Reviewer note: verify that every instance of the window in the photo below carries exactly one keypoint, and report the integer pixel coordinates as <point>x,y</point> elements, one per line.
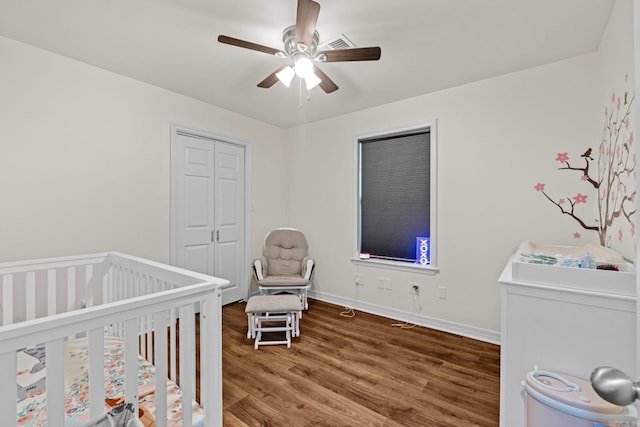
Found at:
<point>396,196</point>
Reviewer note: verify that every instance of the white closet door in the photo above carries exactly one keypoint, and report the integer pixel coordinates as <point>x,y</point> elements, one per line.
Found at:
<point>193,214</point>
<point>229,218</point>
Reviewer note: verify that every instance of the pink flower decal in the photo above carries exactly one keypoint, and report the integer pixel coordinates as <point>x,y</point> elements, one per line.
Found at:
<point>576,235</point>
<point>561,201</point>
<point>562,157</point>
<point>584,178</point>
<point>630,137</point>
<point>633,228</point>
<point>613,97</point>
<point>580,198</point>
<point>620,235</point>
<point>618,104</point>
<point>539,187</point>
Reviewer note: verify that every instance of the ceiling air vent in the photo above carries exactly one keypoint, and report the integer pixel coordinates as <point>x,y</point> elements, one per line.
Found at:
<point>340,42</point>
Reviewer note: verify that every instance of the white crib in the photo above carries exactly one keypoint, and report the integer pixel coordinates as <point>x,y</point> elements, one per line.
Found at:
<point>149,307</point>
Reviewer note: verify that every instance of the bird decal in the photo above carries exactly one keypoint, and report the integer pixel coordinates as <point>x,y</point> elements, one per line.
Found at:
<point>587,154</point>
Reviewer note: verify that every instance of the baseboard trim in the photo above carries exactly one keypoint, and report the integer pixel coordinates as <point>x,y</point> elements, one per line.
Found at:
<point>418,319</point>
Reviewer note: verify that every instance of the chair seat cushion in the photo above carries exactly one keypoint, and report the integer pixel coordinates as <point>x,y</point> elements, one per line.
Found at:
<point>273,304</point>
<point>283,281</point>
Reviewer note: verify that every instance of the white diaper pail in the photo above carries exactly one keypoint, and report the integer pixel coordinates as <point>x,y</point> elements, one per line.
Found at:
<point>559,400</point>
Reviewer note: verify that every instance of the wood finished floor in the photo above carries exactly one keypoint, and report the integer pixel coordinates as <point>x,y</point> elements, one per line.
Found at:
<point>357,371</point>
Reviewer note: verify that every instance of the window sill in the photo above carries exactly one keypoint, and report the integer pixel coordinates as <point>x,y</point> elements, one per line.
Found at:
<point>395,265</point>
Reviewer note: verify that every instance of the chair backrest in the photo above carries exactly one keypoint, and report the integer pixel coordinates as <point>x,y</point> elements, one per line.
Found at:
<point>284,249</point>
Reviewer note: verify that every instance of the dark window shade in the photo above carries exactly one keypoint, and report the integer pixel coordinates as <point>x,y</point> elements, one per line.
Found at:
<point>394,194</point>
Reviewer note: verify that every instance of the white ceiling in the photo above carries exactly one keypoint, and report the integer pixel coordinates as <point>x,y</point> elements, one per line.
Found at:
<point>427,45</point>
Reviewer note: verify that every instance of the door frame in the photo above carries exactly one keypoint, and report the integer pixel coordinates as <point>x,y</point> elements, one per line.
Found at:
<point>245,283</point>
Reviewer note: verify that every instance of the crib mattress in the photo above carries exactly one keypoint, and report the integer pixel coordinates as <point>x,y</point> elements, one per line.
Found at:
<point>32,394</point>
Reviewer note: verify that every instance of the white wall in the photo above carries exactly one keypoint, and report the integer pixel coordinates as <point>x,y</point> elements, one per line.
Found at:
<point>84,158</point>
<point>496,139</point>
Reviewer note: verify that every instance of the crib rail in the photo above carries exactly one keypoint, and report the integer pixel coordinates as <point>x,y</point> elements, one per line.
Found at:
<point>60,284</point>
<point>134,298</point>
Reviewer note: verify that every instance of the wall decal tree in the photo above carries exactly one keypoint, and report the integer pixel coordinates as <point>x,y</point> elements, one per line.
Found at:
<point>614,179</point>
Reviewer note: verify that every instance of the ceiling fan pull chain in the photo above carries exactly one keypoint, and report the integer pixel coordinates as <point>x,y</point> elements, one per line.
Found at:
<point>299,93</point>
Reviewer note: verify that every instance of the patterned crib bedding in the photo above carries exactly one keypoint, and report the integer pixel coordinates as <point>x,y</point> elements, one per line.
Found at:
<point>31,376</point>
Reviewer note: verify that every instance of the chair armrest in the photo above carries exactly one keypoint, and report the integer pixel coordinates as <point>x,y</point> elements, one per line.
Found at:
<point>308,266</point>
<point>259,268</point>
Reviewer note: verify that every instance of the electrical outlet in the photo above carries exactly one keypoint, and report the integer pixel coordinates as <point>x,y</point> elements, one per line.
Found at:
<point>359,279</point>
<point>388,284</point>
<point>380,283</point>
<point>442,292</point>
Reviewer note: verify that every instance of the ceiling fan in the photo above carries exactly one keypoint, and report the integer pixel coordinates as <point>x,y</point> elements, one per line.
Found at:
<point>300,47</point>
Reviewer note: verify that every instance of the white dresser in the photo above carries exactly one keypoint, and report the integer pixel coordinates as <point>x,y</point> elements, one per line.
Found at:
<point>562,319</point>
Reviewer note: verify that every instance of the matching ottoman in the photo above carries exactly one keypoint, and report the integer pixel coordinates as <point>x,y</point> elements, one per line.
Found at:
<point>273,313</point>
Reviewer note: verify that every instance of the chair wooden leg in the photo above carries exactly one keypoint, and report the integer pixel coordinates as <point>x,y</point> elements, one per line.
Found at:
<point>288,331</point>
<point>249,325</point>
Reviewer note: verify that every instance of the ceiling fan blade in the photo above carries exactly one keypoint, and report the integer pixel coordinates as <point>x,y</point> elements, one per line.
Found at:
<point>247,45</point>
<point>354,54</point>
<point>271,79</point>
<point>326,83</point>
<point>306,19</point>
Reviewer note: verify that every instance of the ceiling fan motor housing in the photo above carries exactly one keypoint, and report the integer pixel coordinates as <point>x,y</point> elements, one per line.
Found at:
<point>292,48</point>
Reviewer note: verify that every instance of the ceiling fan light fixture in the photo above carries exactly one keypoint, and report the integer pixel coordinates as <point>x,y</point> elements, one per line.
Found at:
<point>286,75</point>
<point>303,66</point>
<point>311,80</point>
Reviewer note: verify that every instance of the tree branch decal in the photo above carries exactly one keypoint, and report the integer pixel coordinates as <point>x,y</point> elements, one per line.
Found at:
<point>614,177</point>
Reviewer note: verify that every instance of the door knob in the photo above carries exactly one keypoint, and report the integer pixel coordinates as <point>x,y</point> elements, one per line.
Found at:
<point>615,386</point>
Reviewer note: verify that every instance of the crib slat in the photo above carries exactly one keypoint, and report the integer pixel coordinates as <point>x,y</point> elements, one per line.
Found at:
<point>150,321</point>
<point>51,292</point>
<point>88,288</point>
<point>55,382</point>
<point>7,299</point>
<point>150,352</point>
<point>161,364</point>
<point>172,344</point>
<point>131,362</point>
<point>107,284</point>
<point>211,352</point>
<point>30,300</point>
<point>71,288</point>
<point>8,395</point>
<point>96,372</point>
<point>187,364</point>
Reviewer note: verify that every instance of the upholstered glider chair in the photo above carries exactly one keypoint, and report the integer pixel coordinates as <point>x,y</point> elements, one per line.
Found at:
<point>285,265</point>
